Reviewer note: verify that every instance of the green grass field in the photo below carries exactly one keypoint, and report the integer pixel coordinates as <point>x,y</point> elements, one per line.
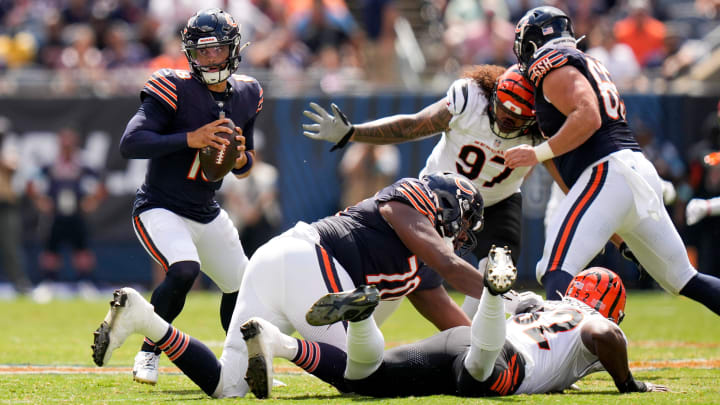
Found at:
<point>673,341</point>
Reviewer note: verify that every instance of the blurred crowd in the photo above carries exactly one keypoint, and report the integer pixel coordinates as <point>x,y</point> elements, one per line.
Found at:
<point>97,46</point>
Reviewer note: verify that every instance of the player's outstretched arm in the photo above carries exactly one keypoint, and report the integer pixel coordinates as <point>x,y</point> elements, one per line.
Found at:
<point>437,307</point>
<point>430,121</point>
<point>416,232</point>
<point>607,342</point>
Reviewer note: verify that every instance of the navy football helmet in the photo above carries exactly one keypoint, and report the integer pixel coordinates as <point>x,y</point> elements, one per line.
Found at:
<point>538,27</point>
<point>211,28</point>
<point>459,208</point>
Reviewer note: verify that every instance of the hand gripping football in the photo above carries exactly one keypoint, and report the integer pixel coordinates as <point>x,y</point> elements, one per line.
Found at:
<point>216,163</point>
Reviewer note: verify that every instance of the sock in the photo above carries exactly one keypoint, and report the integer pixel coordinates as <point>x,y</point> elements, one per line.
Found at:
<point>192,357</point>
<point>470,304</point>
<point>556,283</point>
<point>704,289</point>
<point>227,306</point>
<point>487,336</point>
<point>169,297</point>
<point>365,349</point>
<point>322,360</point>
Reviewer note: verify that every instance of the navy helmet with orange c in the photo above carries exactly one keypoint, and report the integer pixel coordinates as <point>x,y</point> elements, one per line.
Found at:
<point>602,290</point>
<point>459,208</point>
<point>212,28</point>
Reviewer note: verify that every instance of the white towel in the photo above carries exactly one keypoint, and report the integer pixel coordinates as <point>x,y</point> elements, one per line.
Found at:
<point>647,201</point>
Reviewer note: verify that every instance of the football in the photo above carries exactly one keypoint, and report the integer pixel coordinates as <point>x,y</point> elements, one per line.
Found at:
<point>215,163</point>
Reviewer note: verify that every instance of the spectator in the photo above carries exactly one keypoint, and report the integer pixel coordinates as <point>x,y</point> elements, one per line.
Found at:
<point>10,222</point>
<point>366,168</point>
<point>379,24</point>
<point>618,58</point>
<point>120,49</point>
<point>643,33</point>
<point>171,57</point>
<point>66,191</point>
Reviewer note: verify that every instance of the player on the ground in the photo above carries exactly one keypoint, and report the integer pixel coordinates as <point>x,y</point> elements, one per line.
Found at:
<point>390,241</point>
<point>484,113</point>
<point>542,350</point>
<point>175,215</point>
<point>613,188</point>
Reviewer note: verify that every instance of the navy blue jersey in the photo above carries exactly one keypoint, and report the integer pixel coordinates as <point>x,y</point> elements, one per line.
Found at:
<point>614,133</point>
<point>370,250</point>
<point>173,104</point>
<point>67,183</point>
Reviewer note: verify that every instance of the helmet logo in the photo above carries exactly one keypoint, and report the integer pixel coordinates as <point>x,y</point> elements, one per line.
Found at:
<point>207,40</point>
<point>230,20</point>
<point>512,107</point>
<point>520,27</point>
<point>466,188</point>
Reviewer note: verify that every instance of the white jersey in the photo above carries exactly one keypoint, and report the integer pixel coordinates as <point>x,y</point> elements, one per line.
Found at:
<point>551,344</point>
<point>470,147</point>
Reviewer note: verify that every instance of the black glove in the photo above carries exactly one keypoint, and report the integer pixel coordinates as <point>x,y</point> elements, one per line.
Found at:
<point>629,255</point>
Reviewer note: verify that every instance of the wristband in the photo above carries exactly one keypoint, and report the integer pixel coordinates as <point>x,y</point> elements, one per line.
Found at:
<point>246,167</point>
<point>345,139</point>
<point>630,385</point>
<point>543,152</point>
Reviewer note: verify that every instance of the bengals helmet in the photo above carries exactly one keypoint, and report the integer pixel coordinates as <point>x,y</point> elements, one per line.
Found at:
<point>538,27</point>
<point>512,104</point>
<point>459,209</point>
<point>602,290</point>
<point>210,28</point>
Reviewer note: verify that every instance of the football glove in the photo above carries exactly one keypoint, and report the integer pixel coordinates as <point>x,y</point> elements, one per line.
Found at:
<point>696,210</point>
<point>519,303</point>
<point>334,128</point>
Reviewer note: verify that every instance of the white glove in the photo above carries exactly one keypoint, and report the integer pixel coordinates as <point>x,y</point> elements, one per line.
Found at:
<point>668,192</point>
<point>696,210</point>
<point>525,301</point>
<point>331,128</point>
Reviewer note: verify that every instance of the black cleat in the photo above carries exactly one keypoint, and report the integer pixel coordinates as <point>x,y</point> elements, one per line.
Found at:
<point>260,369</point>
<point>500,272</point>
<point>352,306</point>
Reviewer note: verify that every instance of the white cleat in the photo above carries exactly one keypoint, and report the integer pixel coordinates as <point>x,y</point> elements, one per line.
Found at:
<point>500,272</point>
<point>129,313</point>
<point>145,370</point>
<point>257,333</point>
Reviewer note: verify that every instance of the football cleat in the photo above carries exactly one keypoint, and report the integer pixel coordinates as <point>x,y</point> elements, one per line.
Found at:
<point>145,370</point>
<point>500,272</point>
<point>129,312</point>
<point>257,334</point>
<point>352,306</point>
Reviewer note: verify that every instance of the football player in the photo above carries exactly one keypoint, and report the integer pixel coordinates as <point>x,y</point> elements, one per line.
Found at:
<point>541,350</point>
<point>484,113</point>
<point>383,241</point>
<point>611,186</point>
<point>175,215</point>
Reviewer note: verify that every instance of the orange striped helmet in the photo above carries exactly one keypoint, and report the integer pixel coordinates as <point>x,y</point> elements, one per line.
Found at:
<point>602,290</point>
<point>512,108</point>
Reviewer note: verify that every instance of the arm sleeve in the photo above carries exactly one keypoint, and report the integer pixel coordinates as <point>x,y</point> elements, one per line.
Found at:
<point>143,138</point>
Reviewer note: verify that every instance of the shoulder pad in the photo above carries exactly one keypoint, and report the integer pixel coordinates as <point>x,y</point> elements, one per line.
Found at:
<point>464,95</point>
<point>544,61</point>
<point>419,196</point>
<point>163,86</point>
<point>241,82</point>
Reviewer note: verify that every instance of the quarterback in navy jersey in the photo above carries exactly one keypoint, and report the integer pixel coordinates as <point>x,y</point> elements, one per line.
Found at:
<point>389,241</point>
<point>612,190</point>
<point>175,215</point>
